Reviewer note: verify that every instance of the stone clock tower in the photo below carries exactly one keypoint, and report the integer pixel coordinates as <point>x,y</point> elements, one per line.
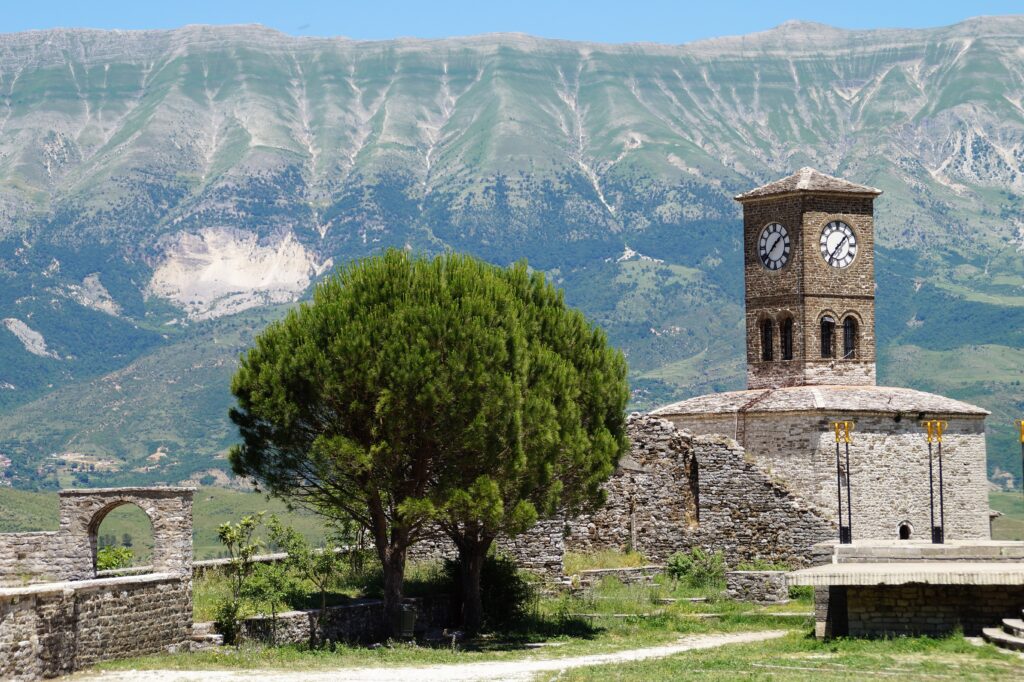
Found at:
<point>808,244</point>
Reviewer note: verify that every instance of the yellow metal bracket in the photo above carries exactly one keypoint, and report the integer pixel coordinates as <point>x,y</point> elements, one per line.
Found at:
<point>935,428</point>
<point>843,431</point>
<point>1020,423</point>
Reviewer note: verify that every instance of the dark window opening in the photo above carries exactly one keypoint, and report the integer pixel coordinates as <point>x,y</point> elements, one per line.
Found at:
<point>828,330</point>
<point>906,530</point>
<point>849,338</point>
<point>786,330</point>
<point>766,340</point>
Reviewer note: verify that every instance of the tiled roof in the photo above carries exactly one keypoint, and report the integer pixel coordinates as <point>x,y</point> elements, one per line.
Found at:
<point>833,399</point>
<point>807,180</point>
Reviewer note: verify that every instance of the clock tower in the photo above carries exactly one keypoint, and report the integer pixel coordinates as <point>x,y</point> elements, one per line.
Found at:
<point>809,270</point>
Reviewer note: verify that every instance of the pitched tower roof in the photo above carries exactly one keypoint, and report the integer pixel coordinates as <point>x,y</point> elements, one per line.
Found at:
<point>807,180</point>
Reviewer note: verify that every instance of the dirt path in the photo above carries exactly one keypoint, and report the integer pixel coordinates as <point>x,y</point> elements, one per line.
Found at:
<point>508,671</point>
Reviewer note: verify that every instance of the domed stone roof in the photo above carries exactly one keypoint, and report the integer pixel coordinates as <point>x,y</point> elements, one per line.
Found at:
<point>832,399</point>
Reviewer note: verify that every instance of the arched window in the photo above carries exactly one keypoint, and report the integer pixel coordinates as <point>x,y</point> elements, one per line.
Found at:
<point>849,338</point>
<point>828,331</point>
<point>766,340</point>
<point>786,334</point>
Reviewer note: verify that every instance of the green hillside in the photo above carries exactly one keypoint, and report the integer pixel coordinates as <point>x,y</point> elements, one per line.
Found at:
<point>164,194</point>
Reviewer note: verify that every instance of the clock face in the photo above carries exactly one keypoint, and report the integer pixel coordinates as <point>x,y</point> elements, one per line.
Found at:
<point>838,244</point>
<point>773,246</point>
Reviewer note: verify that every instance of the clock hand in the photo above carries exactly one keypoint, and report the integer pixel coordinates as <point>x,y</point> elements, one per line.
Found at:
<point>771,247</point>
<point>832,256</point>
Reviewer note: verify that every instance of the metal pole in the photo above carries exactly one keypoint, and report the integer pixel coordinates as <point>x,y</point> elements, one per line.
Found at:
<point>849,497</point>
<point>839,486</point>
<point>942,508</point>
<point>931,482</point>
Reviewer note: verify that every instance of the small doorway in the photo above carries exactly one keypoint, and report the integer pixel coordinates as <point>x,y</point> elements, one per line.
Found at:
<point>906,530</point>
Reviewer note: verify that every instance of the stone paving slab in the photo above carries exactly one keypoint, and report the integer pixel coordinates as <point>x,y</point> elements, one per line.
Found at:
<point>904,573</point>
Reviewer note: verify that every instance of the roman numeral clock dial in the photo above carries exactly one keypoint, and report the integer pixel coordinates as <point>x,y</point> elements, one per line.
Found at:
<point>838,244</point>
<point>773,246</point>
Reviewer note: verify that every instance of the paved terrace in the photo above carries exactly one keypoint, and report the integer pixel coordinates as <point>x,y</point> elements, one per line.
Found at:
<point>906,573</point>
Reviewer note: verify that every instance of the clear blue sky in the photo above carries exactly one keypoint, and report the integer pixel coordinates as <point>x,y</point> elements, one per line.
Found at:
<point>663,21</point>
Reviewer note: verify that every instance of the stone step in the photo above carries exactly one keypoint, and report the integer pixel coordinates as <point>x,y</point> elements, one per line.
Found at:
<point>205,628</point>
<point>1013,626</point>
<point>1002,640</point>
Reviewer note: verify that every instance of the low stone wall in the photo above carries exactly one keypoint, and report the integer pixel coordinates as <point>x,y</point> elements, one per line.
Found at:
<point>885,610</point>
<point>360,622</point>
<point>57,628</point>
<point>540,549</point>
<point>760,587</point>
<point>640,575</point>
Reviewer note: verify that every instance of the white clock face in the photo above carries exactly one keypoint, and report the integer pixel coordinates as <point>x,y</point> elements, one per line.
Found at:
<point>773,246</point>
<point>838,244</point>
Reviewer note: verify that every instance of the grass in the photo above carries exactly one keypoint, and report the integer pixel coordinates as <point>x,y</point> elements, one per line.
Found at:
<point>1010,526</point>
<point>574,562</point>
<point>798,656</point>
<point>611,617</point>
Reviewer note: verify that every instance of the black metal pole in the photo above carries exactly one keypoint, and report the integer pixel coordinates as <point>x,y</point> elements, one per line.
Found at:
<point>942,509</point>
<point>931,485</point>
<point>849,498</point>
<point>839,493</point>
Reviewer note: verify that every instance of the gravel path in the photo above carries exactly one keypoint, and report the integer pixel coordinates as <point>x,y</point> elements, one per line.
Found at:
<point>509,671</point>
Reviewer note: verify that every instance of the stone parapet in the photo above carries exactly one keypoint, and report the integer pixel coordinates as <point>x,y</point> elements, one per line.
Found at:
<point>759,587</point>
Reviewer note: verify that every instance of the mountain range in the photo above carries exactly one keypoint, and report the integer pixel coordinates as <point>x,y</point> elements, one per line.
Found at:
<point>166,194</point>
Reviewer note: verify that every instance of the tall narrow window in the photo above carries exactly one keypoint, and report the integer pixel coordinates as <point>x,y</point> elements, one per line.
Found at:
<point>766,340</point>
<point>786,332</point>
<point>849,338</point>
<point>828,330</point>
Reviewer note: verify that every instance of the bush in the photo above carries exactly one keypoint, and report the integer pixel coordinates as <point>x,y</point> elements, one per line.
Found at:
<point>110,558</point>
<point>506,592</point>
<point>697,568</point>
<point>228,621</point>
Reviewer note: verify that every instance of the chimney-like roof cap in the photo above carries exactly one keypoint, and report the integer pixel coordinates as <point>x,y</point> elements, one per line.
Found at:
<point>807,180</point>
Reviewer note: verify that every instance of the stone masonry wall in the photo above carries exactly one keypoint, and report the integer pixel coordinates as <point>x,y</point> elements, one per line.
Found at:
<point>540,549</point>
<point>361,622</point>
<point>760,587</point>
<point>929,609</point>
<point>674,492</point>
<point>888,461</point>
<point>31,558</point>
<point>57,628</point>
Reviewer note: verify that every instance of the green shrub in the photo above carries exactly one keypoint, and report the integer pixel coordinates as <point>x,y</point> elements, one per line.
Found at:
<point>507,593</point>
<point>228,621</point>
<point>110,558</point>
<point>801,592</point>
<point>697,568</point>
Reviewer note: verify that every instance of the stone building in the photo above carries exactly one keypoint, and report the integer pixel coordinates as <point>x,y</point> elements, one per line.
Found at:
<point>809,277</point>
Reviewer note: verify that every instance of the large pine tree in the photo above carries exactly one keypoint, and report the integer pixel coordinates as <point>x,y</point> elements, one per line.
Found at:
<point>418,393</point>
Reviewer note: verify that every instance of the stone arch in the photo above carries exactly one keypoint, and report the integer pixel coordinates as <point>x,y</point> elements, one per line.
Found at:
<point>169,511</point>
<point>100,516</point>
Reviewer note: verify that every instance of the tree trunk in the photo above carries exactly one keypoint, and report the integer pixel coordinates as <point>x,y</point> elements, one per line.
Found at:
<point>472,556</point>
<point>394,576</point>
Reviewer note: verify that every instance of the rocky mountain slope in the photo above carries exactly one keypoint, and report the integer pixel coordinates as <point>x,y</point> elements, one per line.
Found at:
<point>163,193</point>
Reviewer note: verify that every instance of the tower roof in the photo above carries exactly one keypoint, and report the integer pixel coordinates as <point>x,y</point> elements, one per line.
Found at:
<point>807,179</point>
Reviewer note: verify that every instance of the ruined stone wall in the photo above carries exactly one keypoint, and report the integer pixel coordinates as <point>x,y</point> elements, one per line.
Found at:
<point>888,461</point>
<point>675,492</point>
<point>57,628</point>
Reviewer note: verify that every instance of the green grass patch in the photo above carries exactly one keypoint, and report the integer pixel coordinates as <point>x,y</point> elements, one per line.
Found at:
<point>574,562</point>
<point>1009,526</point>
<point>798,656</point>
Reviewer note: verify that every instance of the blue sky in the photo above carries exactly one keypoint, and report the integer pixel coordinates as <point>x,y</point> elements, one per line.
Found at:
<point>597,20</point>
